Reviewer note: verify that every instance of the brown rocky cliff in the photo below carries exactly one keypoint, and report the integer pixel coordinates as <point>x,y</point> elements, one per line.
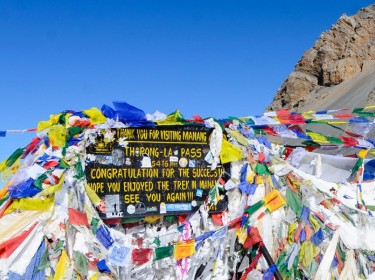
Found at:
<point>341,53</point>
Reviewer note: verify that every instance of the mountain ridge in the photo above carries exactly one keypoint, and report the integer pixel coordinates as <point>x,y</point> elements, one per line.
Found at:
<point>339,67</point>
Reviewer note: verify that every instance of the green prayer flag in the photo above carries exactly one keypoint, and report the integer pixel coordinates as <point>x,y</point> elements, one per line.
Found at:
<point>342,254</point>
<point>163,252</point>
<point>13,157</point>
<point>261,169</point>
<point>62,119</point>
<point>63,164</point>
<point>361,113</point>
<point>170,219</point>
<point>71,131</point>
<point>282,264</point>
<point>310,143</point>
<point>250,121</point>
<point>44,260</point>
<point>294,202</point>
<point>64,150</point>
<point>222,126</point>
<point>78,171</point>
<point>94,225</point>
<point>253,208</point>
<point>259,131</point>
<point>131,220</point>
<point>157,241</point>
<point>357,165</point>
<point>81,263</point>
<point>39,181</point>
<point>334,140</point>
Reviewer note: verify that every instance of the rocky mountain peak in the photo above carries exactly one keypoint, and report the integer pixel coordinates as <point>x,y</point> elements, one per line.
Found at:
<point>345,52</point>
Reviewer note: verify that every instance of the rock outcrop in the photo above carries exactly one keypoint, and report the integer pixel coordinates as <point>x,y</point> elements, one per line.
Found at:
<point>340,54</point>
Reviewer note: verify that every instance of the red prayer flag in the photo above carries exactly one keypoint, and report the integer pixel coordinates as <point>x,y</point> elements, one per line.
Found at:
<point>51,164</point>
<point>252,238</point>
<point>349,141</point>
<point>343,116</point>
<point>9,246</point>
<point>352,134</point>
<point>269,130</point>
<point>285,117</point>
<point>77,217</point>
<point>31,146</point>
<point>141,256</point>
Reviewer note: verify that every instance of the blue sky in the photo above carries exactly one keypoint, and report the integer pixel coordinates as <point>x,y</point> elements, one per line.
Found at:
<point>211,58</point>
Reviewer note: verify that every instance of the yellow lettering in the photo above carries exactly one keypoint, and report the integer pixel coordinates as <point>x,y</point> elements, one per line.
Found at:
<point>113,186</point>
<point>206,173</point>
<point>167,172</point>
<point>180,185</point>
<point>191,153</point>
<point>195,136</point>
<point>131,198</point>
<point>154,134</point>
<point>153,197</point>
<point>183,172</point>
<point>97,187</point>
<point>138,186</point>
<point>127,133</point>
<point>163,185</point>
<point>176,196</point>
<point>170,135</point>
<point>206,185</point>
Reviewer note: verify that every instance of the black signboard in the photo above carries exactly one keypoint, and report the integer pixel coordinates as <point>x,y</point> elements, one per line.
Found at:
<point>151,170</point>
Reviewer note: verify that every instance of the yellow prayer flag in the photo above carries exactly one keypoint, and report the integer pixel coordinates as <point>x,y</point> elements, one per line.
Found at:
<point>291,230</point>
<point>317,137</point>
<point>31,204</point>
<point>3,165</point>
<point>337,122</point>
<point>307,115</point>
<point>314,222</point>
<point>259,180</point>
<point>57,136</point>
<point>95,115</point>
<point>7,172</point>
<point>95,276</point>
<point>42,125</point>
<point>239,137</point>
<point>152,219</point>
<point>62,266</point>
<point>184,249</point>
<point>308,252</point>
<point>53,119</point>
<point>362,153</point>
<point>229,152</point>
<point>275,203</point>
<point>13,169</point>
<point>94,198</point>
<point>250,177</point>
<point>242,235</point>
<point>174,118</point>
<point>270,196</point>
